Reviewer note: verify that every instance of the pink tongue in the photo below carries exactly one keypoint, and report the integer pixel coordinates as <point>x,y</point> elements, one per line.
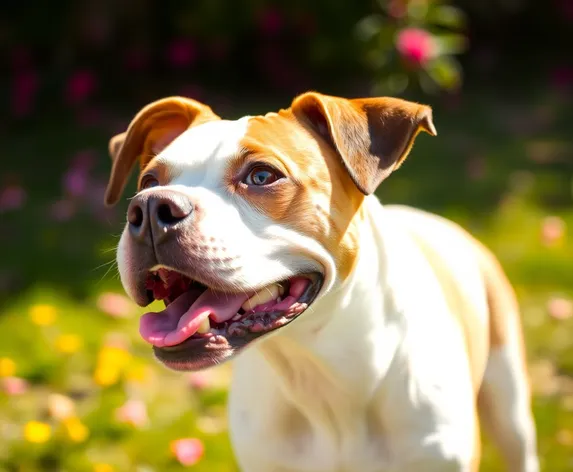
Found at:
<point>179,321</point>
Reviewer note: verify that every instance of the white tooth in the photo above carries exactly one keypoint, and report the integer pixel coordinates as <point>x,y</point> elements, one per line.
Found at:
<point>265,295</point>
<point>204,327</point>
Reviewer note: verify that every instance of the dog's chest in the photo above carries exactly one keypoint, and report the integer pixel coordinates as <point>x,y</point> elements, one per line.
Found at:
<point>290,442</point>
<point>276,432</point>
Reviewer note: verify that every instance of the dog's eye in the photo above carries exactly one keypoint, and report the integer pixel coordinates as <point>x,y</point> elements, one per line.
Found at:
<point>262,175</point>
<point>148,181</point>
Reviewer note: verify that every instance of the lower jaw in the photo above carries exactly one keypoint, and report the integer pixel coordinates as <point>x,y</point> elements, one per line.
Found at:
<point>207,350</point>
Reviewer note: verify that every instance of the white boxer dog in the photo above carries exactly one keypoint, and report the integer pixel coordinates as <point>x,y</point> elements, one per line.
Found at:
<point>365,338</point>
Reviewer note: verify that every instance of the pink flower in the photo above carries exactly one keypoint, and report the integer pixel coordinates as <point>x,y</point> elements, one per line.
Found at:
<point>560,308</point>
<point>270,21</point>
<point>552,230</point>
<point>75,182</point>
<point>198,380</point>
<point>132,412</point>
<point>62,210</point>
<point>12,197</point>
<point>416,46</point>
<point>182,53</point>
<point>76,179</point>
<point>14,385</point>
<point>188,451</point>
<point>80,86</point>
<point>114,304</point>
<point>26,86</point>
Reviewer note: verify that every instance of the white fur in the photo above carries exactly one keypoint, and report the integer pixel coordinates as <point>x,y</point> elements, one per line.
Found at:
<point>382,386</point>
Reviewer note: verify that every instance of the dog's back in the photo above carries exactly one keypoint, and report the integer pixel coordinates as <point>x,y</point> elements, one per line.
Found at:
<point>495,349</point>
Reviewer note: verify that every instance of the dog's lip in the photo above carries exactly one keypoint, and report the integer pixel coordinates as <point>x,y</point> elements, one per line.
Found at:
<point>203,351</point>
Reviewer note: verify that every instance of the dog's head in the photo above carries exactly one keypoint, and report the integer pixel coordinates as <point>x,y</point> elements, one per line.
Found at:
<point>239,226</point>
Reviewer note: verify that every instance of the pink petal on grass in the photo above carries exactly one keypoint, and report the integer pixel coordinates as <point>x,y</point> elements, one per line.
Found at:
<point>553,230</point>
<point>12,197</point>
<point>188,451</point>
<point>560,308</point>
<point>114,304</point>
<point>198,380</point>
<point>14,385</point>
<point>132,412</point>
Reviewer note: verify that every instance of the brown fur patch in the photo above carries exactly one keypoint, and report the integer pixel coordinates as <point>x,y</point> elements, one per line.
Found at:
<point>319,198</point>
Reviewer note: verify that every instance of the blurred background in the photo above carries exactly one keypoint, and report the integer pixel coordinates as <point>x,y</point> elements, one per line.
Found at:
<point>78,390</point>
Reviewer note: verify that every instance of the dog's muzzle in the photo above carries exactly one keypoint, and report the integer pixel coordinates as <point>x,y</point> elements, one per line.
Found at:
<point>206,319</point>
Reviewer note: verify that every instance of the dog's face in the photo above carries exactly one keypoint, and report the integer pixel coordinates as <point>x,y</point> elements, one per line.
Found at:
<point>239,226</point>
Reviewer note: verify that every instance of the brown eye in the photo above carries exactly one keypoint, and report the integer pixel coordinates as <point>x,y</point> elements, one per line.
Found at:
<point>148,181</point>
<point>262,175</point>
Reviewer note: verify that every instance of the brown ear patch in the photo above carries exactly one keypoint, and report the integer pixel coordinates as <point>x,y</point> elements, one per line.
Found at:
<point>152,129</point>
<point>115,144</point>
<point>372,136</point>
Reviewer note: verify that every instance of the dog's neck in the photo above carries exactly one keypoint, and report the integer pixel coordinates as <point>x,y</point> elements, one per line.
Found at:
<point>317,375</point>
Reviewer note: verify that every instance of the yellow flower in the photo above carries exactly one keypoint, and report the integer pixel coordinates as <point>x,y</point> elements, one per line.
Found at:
<point>37,432</point>
<point>103,468</point>
<point>43,315</point>
<point>138,373</point>
<point>106,375</point>
<point>7,367</point>
<point>76,430</point>
<point>111,355</point>
<point>110,364</point>
<point>68,343</point>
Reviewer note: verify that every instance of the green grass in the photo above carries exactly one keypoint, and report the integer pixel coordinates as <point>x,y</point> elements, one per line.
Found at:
<point>526,176</point>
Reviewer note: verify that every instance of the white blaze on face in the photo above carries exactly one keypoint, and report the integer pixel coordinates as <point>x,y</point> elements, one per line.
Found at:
<point>246,246</point>
<point>200,155</point>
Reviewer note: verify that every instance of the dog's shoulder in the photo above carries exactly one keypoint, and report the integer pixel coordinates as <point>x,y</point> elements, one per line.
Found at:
<point>458,261</point>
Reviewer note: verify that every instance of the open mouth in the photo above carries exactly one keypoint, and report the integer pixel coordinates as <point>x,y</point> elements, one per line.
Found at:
<point>197,316</point>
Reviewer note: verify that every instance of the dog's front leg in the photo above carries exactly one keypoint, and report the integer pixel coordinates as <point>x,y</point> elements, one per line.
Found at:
<point>439,452</point>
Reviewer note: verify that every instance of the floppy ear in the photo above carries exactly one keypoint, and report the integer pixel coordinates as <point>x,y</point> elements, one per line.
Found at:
<point>115,144</point>
<point>373,136</point>
<point>152,129</point>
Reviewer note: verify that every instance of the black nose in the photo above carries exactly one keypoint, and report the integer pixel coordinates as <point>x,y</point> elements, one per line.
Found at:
<point>156,214</point>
